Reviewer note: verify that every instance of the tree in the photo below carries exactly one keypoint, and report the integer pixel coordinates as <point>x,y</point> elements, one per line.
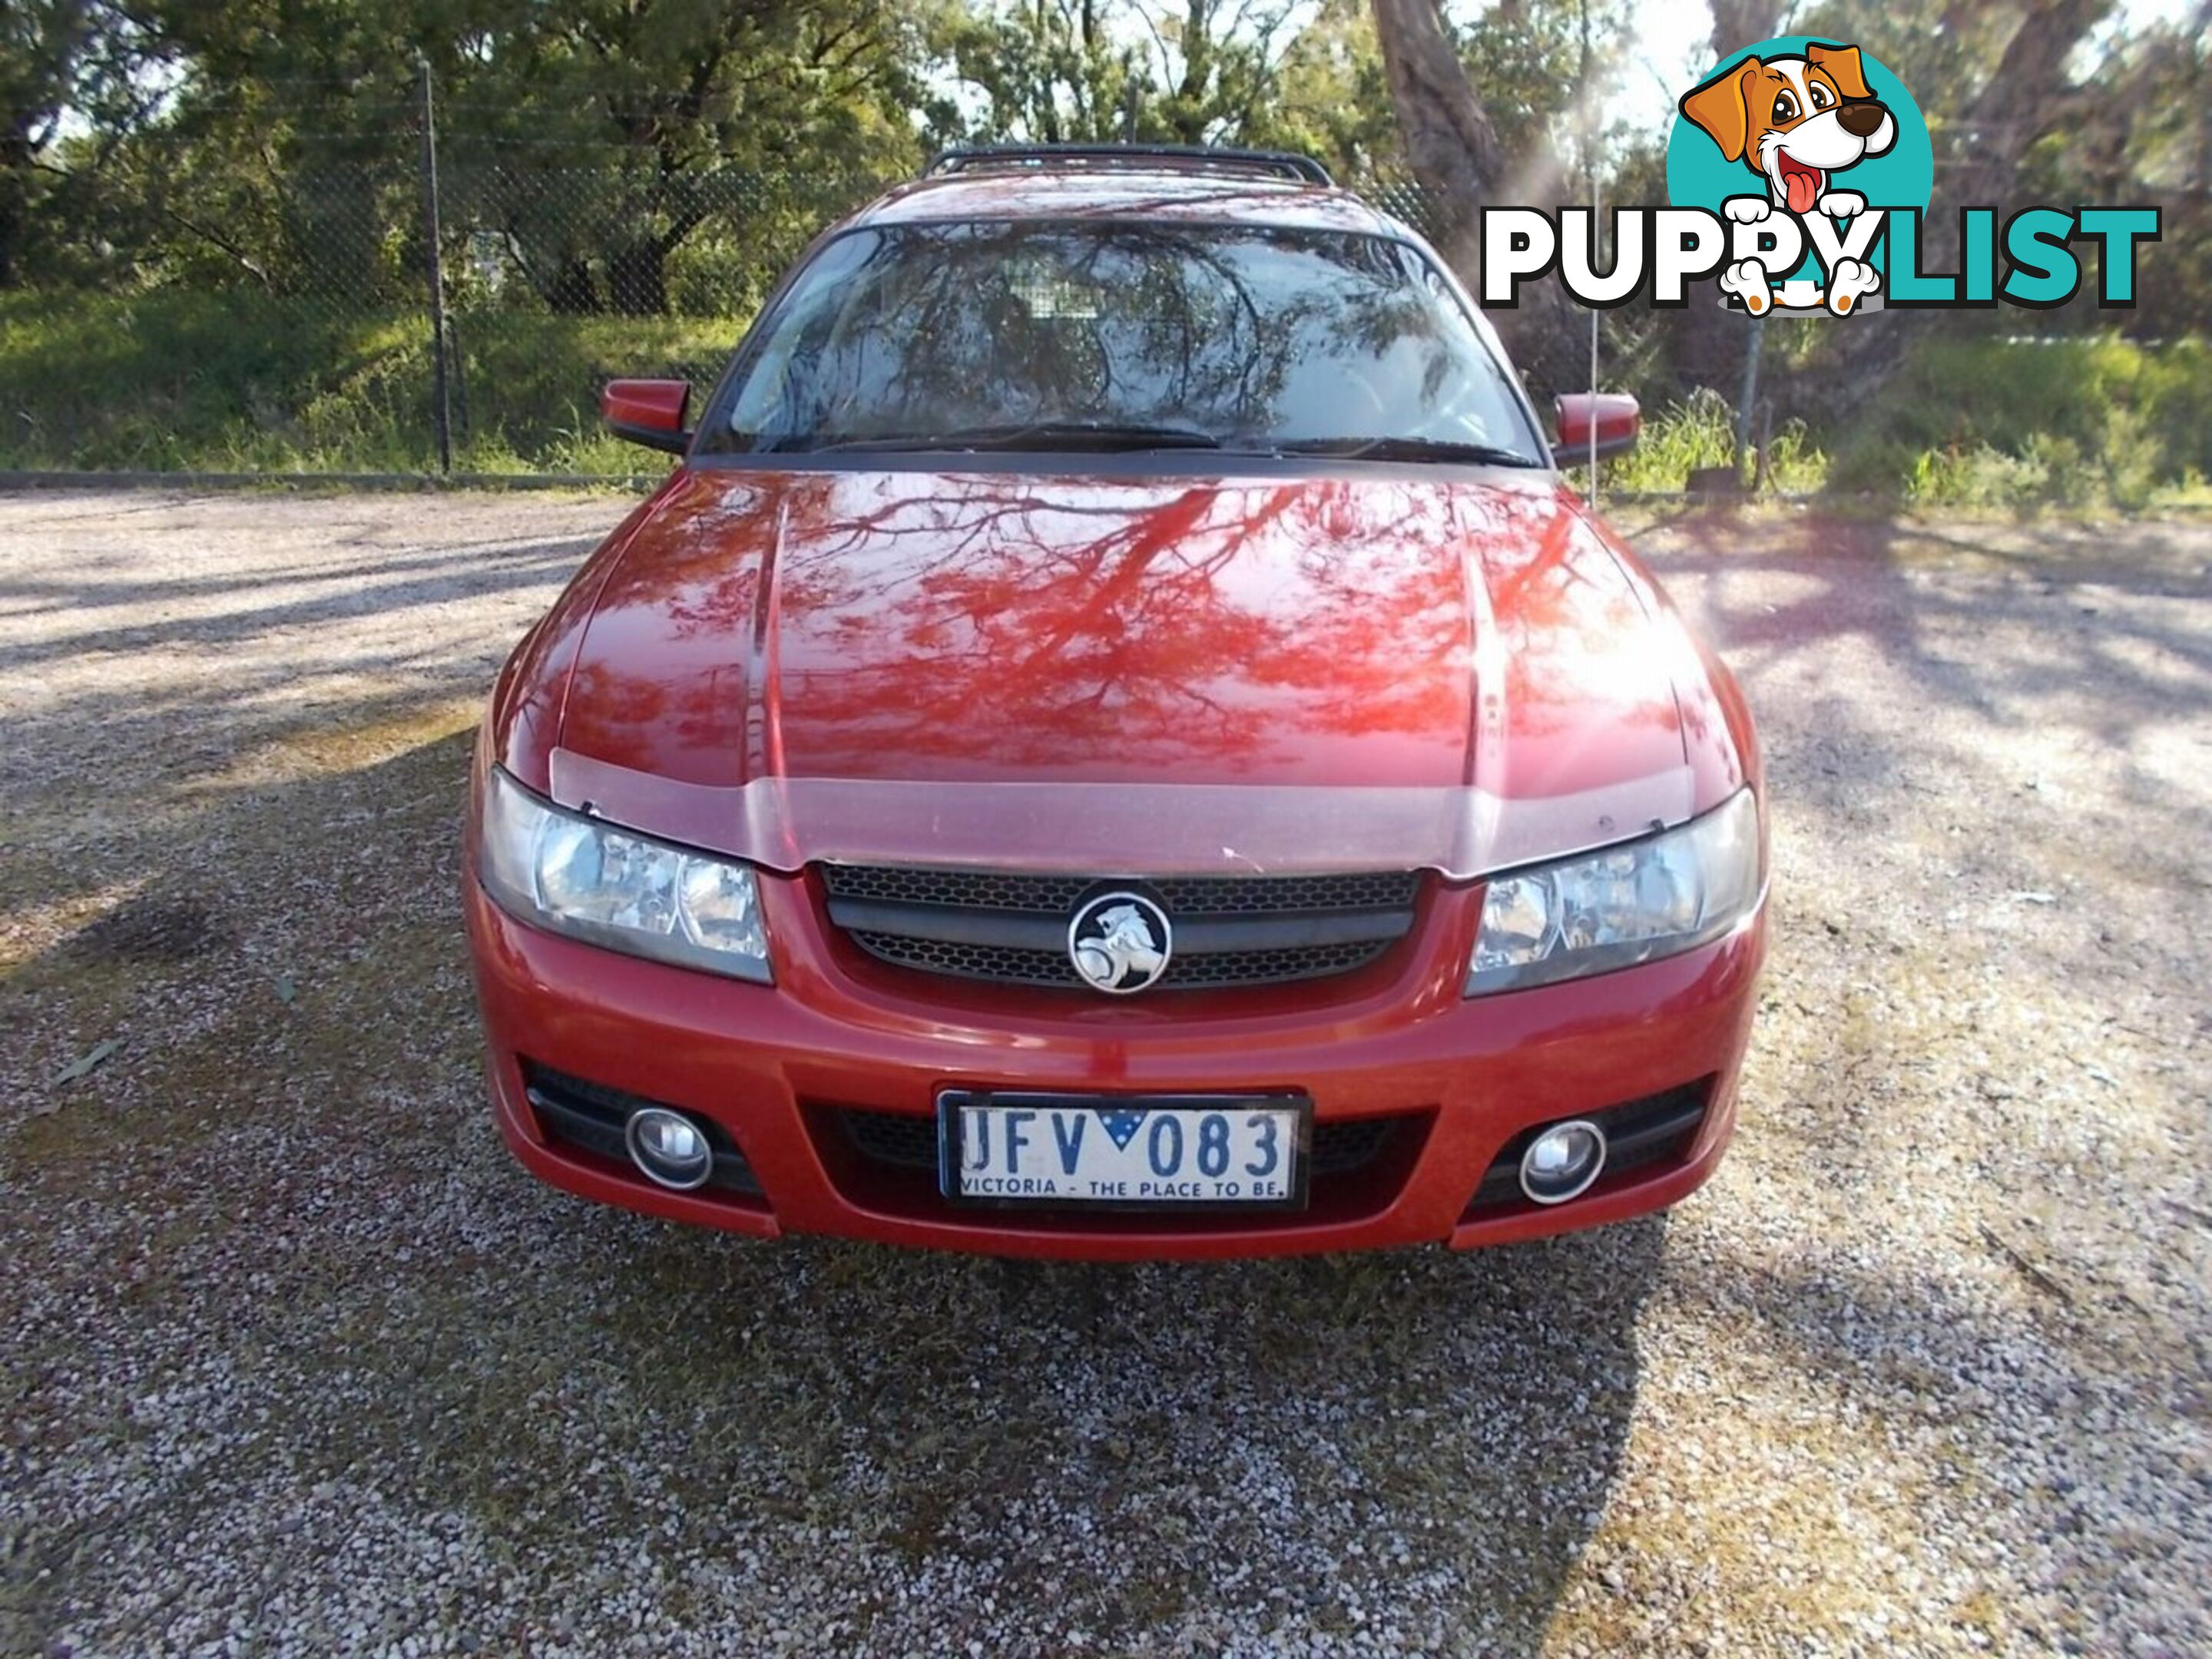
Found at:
<point>675,90</point>
<point>1450,142</point>
<point>1708,341</point>
<point>1529,67</point>
<point>1057,71</point>
<point>603,116</point>
<point>1049,71</point>
<point>1997,83</point>
<point>2147,138</point>
<point>59,57</point>
<point>1217,63</point>
<point>1333,97</point>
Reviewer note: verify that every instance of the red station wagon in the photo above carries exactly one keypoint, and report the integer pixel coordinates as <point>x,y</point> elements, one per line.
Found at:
<point>1116,741</point>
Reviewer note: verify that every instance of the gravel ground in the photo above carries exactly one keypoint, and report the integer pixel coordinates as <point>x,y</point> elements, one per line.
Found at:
<point>299,1362</point>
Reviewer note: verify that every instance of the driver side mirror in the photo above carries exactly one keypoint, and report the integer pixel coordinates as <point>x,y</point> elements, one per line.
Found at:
<point>1612,416</point>
<point>648,412</point>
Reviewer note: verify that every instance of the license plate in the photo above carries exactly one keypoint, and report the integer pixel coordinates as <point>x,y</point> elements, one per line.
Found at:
<point>1136,1152</point>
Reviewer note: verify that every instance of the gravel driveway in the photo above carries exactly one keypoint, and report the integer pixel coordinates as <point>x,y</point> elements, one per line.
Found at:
<point>297,1361</point>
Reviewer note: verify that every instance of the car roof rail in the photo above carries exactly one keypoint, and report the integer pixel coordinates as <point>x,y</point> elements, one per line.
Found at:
<point>1281,163</point>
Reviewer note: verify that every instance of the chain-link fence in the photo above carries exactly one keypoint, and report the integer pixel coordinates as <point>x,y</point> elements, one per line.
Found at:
<point>555,279</point>
<point>198,311</point>
<point>248,288</point>
<point>255,318</point>
<point>228,315</point>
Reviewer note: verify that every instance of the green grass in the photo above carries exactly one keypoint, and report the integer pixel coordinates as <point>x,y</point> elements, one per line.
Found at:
<point>241,381</point>
<point>1700,432</point>
<point>2090,422</point>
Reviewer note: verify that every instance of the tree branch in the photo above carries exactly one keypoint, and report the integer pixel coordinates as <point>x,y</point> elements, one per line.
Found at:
<point>245,262</point>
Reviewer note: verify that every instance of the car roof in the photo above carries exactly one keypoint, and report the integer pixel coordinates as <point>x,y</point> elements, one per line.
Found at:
<point>1152,190</point>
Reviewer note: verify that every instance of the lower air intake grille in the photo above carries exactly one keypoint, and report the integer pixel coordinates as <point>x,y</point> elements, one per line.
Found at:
<point>590,1117</point>
<point>1639,1133</point>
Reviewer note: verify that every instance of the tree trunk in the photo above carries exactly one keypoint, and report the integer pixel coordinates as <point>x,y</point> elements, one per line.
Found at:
<point>572,293</point>
<point>1454,148</point>
<point>1709,340</point>
<point>15,159</point>
<point>1186,112</point>
<point>1739,23</point>
<point>637,278</point>
<point>1450,139</point>
<point>2026,96</point>
<point>15,218</point>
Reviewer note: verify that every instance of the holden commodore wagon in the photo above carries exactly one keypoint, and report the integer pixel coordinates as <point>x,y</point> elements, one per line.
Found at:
<point>1116,740</point>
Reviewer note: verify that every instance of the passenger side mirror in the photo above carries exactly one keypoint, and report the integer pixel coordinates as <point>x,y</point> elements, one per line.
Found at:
<point>1612,415</point>
<point>648,412</point>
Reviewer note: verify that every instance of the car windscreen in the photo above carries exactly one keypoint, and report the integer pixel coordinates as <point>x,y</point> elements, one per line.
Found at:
<point>1068,335</point>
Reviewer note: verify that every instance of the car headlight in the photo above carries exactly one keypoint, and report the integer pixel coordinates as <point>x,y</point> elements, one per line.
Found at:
<point>1623,905</point>
<point>577,875</point>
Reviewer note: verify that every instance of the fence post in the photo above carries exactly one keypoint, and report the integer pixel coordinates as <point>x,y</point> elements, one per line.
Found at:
<point>1749,397</point>
<point>441,411</point>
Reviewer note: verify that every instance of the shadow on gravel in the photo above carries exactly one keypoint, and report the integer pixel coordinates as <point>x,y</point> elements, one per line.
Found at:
<point>372,654</point>
<point>1294,1446</point>
<point>1863,582</point>
<point>385,580</point>
<point>275,1284</point>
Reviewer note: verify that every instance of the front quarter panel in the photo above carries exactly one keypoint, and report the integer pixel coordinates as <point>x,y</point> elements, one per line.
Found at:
<point>1719,741</point>
<point>528,698</point>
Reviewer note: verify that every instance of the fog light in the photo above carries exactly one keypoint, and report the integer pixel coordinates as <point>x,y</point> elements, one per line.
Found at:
<point>669,1148</point>
<point>1561,1163</point>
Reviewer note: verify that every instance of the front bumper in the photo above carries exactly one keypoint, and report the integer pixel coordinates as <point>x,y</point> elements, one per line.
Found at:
<point>783,1070</point>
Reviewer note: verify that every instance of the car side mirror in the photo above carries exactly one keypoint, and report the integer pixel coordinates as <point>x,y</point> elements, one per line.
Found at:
<point>648,412</point>
<point>1612,416</point>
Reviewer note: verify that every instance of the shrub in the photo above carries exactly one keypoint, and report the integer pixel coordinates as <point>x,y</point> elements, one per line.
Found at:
<point>1698,432</point>
<point>2081,422</point>
<point>236,380</point>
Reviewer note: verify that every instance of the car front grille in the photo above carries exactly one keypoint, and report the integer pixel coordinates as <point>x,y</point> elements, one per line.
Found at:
<point>1012,965</point>
<point>1010,928</point>
<point>1182,896</point>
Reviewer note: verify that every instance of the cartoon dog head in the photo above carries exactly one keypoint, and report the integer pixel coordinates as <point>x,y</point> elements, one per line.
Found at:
<point>1795,121</point>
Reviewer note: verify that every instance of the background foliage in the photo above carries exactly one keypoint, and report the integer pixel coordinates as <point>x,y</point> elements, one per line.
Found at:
<point>213,237</point>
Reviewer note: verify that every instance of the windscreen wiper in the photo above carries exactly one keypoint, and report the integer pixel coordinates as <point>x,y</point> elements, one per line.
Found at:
<point>1029,435</point>
<point>1407,449</point>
